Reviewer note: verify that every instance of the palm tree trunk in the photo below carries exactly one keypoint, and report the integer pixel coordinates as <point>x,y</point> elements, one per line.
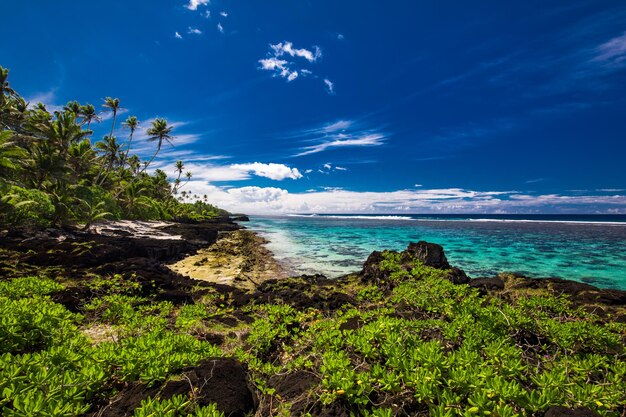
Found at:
<point>130,140</point>
<point>153,156</point>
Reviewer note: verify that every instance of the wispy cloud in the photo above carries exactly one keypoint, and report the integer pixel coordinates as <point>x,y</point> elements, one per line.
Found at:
<point>194,31</point>
<point>612,52</point>
<point>220,28</point>
<point>339,134</point>
<point>177,35</point>
<point>194,4</point>
<point>330,86</point>
<point>47,98</point>
<point>223,14</point>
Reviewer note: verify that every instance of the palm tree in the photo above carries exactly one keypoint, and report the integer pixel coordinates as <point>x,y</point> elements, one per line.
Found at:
<point>4,84</point>
<point>74,107</point>
<point>88,112</point>
<point>110,155</point>
<point>179,168</point>
<point>10,153</point>
<point>131,123</point>
<point>64,131</point>
<point>81,156</point>
<point>114,105</point>
<point>160,132</point>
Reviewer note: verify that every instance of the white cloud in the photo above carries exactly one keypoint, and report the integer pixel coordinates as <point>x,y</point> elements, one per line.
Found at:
<point>193,4</point>
<point>340,36</point>
<point>280,67</point>
<point>281,49</point>
<point>330,86</point>
<point>268,200</point>
<point>194,31</point>
<point>283,68</point>
<point>207,171</point>
<point>341,168</point>
<point>220,28</point>
<point>207,14</point>
<point>177,35</point>
<point>272,171</point>
<point>223,14</point>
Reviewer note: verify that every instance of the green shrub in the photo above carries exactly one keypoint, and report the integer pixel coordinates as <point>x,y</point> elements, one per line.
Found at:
<point>29,206</point>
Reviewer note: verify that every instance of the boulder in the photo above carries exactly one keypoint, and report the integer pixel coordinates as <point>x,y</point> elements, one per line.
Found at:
<point>430,254</point>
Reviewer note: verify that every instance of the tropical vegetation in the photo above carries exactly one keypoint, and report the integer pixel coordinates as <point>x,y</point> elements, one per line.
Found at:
<point>54,171</point>
<point>416,345</point>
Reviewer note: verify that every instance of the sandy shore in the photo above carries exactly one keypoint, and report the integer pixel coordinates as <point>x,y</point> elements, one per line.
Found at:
<point>238,258</point>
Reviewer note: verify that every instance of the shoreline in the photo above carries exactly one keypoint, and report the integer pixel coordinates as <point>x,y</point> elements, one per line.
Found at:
<point>263,348</point>
<point>238,258</point>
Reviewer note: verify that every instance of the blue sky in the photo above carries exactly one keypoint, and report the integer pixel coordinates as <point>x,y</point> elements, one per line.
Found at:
<point>352,106</point>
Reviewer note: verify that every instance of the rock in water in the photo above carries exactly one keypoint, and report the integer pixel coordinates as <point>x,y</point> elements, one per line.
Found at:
<point>430,254</point>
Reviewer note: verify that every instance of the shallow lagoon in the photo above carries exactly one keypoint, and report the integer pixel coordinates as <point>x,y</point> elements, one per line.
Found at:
<point>587,249</point>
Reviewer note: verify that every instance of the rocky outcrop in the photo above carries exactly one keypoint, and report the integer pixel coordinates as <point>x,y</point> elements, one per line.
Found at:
<point>240,218</point>
<point>429,254</point>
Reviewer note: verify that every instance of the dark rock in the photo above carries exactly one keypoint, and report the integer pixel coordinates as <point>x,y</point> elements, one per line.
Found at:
<point>487,284</point>
<point>371,268</point>
<point>559,411</point>
<point>352,323</point>
<point>458,276</point>
<point>222,381</point>
<point>430,254</point>
<point>294,384</point>
<point>240,218</point>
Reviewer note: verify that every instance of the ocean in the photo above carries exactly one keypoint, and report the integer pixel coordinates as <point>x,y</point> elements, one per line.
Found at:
<point>585,248</point>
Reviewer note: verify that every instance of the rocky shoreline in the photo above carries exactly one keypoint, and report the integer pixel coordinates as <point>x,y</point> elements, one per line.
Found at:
<point>226,268</point>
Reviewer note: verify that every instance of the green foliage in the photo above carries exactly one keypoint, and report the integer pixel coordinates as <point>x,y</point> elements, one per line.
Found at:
<point>28,287</point>
<point>28,206</point>
<point>151,357</point>
<point>445,348</point>
<point>176,406</point>
<point>29,324</point>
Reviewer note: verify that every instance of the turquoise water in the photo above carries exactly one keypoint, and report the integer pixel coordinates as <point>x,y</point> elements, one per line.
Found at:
<point>591,250</point>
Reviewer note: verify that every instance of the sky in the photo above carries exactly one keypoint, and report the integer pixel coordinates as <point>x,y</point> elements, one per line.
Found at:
<point>350,106</point>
